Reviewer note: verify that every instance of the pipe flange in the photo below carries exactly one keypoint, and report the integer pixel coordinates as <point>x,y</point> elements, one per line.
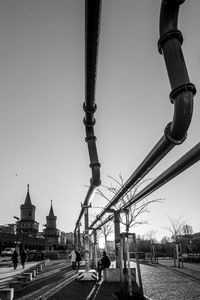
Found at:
<point>89,111</point>
<point>96,164</point>
<point>183,88</point>
<point>170,34</point>
<point>91,137</point>
<point>89,124</point>
<point>170,138</point>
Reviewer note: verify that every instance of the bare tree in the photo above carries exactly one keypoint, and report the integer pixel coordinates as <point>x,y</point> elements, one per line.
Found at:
<point>176,227</point>
<point>188,236</point>
<point>151,236</point>
<point>106,230</point>
<point>132,216</point>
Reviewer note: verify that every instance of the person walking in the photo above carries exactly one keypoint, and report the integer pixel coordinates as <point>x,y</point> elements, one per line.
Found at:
<point>78,259</point>
<point>73,259</point>
<point>23,257</point>
<point>15,258</point>
<point>103,263</point>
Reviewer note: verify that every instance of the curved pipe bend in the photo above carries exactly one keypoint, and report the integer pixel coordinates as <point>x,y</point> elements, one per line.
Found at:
<point>183,91</point>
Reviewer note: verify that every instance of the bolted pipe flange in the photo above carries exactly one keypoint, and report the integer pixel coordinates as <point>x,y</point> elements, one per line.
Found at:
<point>169,35</point>
<point>96,164</point>
<point>170,138</point>
<point>91,110</point>
<point>180,89</point>
<point>89,124</point>
<point>91,137</point>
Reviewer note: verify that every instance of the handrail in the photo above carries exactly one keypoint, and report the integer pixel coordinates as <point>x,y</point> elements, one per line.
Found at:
<point>181,96</point>
<point>183,163</point>
<point>92,24</point>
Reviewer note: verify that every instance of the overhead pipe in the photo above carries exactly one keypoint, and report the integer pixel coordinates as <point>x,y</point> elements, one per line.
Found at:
<point>92,25</point>
<point>183,91</point>
<point>186,161</point>
<point>181,96</point>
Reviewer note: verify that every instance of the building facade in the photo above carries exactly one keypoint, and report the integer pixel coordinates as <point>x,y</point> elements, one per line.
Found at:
<point>26,225</point>
<point>51,233</point>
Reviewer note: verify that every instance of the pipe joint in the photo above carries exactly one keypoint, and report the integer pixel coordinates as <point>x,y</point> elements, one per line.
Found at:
<point>88,124</point>
<point>91,110</point>
<point>96,164</point>
<point>170,138</point>
<point>88,138</point>
<point>169,35</point>
<point>181,89</point>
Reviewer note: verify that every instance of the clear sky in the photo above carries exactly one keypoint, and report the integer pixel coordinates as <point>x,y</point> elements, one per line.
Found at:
<point>42,92</point>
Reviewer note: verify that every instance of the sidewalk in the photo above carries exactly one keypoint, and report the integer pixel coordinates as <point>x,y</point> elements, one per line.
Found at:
<point>164,282</point>
<point>7,273</point>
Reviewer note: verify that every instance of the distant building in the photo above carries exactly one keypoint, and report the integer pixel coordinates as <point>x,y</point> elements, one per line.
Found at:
<point>196,235</point>
<point>63,237</point>
<point>27,226</point>
<point>8,229</point>
<point>70,237</point>
<point>51,233</point>
<point>110,245</point>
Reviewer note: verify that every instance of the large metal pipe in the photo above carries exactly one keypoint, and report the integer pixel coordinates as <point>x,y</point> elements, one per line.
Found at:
<point>92,25</point>
<point>183,91</point>
<point>186,161</point>
<point>88,197</point>
<point>181,96</point>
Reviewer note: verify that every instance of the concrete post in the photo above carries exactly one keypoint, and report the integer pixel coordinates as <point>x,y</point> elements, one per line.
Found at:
<point>117,237</point>
<point>75,239</point>
<point>95,248</point>
<point>79,238</point>
<point>87,246</point>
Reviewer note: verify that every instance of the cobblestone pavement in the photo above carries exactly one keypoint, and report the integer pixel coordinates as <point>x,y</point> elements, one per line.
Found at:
<point>160,282</point>
<point>163,282</point>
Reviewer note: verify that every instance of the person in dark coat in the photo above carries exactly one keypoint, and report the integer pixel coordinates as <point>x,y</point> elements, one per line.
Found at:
<point>103,263</point>
<point>23,257</point>
<point>15,258</point>
<point>78,258</point>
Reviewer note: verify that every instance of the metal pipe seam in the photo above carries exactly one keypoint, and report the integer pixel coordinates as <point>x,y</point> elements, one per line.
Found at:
<point>89,110</point>
<point>167,36</point>
<point>88,138</point>
<point>89,121</point>
<point>183,88</point>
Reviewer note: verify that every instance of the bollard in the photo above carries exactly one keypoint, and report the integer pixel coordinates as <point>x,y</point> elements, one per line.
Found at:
<point>7,294</point>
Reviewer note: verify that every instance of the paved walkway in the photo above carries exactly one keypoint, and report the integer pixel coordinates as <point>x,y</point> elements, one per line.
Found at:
<point>164,282</point>
<point>58,282</point>
<point>7,272</point>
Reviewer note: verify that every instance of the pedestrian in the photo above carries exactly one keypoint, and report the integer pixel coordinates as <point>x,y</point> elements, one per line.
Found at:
<point>15,258</point>
<point>103,263</point>
<point>73,259</point>
<point>23,257</point>
<point>78,258</point>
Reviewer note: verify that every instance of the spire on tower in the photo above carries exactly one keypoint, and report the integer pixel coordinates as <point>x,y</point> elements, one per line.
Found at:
<point>28,198</point>
<point>51,213</point>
